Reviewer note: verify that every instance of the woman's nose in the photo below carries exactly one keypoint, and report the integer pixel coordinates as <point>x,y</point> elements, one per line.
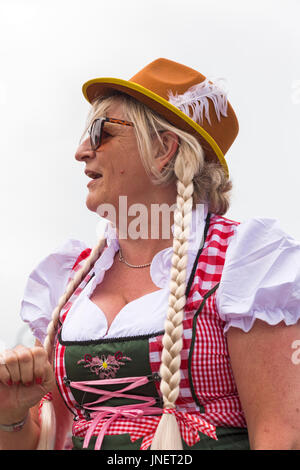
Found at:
<point>84,151</point>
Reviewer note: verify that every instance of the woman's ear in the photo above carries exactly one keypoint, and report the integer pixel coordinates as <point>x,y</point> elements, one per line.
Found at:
<point>165,148</point>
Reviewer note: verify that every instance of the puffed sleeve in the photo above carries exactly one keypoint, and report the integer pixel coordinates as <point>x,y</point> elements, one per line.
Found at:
<point>261,276</point>
<point>46,284</point>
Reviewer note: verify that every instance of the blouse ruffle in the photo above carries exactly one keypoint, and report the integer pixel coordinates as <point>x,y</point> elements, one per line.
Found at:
<point>260,278</point>
<point>45,285</point>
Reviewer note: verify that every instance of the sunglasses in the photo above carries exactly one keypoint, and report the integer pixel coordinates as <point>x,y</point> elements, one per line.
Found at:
<point>96,130</point>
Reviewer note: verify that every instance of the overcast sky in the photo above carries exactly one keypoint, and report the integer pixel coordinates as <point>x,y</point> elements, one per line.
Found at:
<point>49,49</point>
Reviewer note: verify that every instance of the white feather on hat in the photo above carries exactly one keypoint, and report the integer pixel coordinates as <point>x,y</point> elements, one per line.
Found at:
<point>196,99</point>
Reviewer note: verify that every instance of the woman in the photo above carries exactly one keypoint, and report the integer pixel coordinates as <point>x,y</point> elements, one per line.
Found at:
<point>169,341</point>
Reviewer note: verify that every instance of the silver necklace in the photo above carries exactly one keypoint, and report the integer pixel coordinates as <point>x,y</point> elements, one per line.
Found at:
<point>131,265</point>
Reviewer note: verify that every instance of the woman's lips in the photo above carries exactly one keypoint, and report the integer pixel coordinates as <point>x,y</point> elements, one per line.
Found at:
<point>94,181</point>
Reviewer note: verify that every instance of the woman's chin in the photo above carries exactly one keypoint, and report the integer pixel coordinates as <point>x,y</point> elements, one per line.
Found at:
<point>92,203</point>
<point>96,204</point>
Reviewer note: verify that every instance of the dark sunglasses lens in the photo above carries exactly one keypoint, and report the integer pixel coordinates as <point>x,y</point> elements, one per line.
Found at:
<point>96,134</point>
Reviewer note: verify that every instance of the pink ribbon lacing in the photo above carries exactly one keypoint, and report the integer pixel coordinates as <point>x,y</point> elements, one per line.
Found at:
<point>189,424</point>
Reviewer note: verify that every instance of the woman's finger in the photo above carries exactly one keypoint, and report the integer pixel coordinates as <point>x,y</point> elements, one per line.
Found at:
<point>4,374</point>
<point>12,366</point>
<point>40,364</point>
<point>25,361</point>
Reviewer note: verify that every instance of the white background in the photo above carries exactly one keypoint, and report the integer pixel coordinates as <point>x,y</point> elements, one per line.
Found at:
<point>49,49</point>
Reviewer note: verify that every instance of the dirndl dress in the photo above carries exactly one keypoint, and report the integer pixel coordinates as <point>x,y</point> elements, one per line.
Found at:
<point>111,382</point>
<point>112,385</point>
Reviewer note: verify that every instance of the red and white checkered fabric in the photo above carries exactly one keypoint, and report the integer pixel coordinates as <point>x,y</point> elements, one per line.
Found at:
<point>47,397</point>
<point>211,372</point>
<point>212,379</point>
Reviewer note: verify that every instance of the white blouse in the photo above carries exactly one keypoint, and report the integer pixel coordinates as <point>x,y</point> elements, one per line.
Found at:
<point>260,279</point>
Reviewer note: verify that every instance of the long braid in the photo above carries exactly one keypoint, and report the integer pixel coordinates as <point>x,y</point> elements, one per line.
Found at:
<point>48,425</point>
<point>167,435</point>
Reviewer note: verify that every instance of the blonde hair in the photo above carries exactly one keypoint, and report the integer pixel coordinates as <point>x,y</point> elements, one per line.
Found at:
<point>197,181</point>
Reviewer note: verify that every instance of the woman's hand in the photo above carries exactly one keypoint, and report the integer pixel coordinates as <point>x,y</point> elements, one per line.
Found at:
<point>25,377</point>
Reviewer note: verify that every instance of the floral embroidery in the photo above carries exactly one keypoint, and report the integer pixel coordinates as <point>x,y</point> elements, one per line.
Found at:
<point>104,366</point>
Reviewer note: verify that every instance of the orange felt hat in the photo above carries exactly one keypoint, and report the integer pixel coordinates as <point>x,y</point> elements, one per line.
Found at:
<point>183,96</point>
